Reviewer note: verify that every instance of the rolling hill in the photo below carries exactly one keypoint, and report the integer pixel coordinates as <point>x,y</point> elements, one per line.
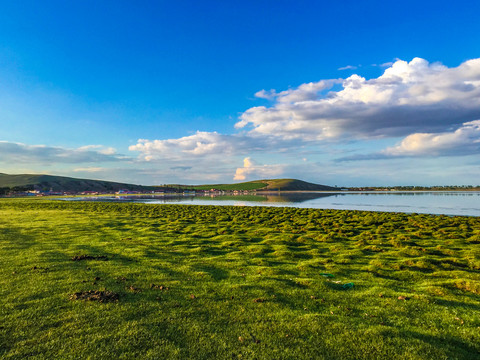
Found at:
<point>62,183</point>
<point>265,185</point>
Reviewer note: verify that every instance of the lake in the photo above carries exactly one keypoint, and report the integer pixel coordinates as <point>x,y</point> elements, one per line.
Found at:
<point>438,202</point>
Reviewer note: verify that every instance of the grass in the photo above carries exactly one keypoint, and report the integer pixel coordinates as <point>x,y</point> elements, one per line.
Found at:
<point>203,282</point>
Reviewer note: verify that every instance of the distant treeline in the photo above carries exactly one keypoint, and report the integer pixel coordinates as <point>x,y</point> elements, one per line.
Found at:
<point>15,189</point>
<point>418,188</point>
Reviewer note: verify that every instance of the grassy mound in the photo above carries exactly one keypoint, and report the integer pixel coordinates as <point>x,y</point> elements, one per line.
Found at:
<point>62,183</point>
<point>265,185</point>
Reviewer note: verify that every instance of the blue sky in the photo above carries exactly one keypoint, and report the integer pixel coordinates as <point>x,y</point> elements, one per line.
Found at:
<point>343,93</point>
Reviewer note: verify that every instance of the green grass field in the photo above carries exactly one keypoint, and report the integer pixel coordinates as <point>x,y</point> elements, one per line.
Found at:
<point>207,282</point>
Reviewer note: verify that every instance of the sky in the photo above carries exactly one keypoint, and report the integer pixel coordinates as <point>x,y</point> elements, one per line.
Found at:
<point>346,93</point>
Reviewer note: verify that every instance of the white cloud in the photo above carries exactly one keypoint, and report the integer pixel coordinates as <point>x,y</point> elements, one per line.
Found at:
<point>348,67</point>
<point>464,140</point>
<point>409,97</point>
<point>211,144</point>
<point>242,173</point>
<point>99,148</point>
<point>252,169</point>
<point>91,169</point>
<point>200,144</point>
<point>386,64</point>
<point>264,94</point>
<point>305,92</point>
<point>14,153</point>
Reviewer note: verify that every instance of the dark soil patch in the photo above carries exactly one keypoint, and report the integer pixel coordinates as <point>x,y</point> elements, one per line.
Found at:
<point>89,257</point>
<point>39,268</point>
<point>158,287</point>
<point>95,295</point>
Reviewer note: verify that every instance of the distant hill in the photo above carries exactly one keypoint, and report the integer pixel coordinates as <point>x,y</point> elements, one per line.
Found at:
<point>265,185</point>
<point>62,183</point>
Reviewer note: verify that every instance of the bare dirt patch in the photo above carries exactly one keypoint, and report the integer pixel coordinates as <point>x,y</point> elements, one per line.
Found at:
<point>95,295</point>
<point>259,300</point>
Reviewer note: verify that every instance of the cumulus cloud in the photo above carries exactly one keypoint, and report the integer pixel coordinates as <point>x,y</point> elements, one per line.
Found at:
<point>204,143</point>
<point>200,144</point>
<point>418,101</point>
<point>242,172</point>
<point>252,168</point>
<point>14,153</point>
<point>264,94</point>
<point>409,97</point>
<point>463,141</point>
<point>305,92</point>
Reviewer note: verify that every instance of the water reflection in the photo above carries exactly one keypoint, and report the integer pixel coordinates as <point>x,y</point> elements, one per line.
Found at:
<point>275,197</point>
<point>172,198</point>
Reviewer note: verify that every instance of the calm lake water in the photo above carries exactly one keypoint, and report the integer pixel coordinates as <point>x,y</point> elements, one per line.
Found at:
<point>448,203</point>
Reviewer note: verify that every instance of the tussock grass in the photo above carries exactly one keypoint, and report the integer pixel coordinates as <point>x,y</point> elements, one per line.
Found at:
<point>202,282</point>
